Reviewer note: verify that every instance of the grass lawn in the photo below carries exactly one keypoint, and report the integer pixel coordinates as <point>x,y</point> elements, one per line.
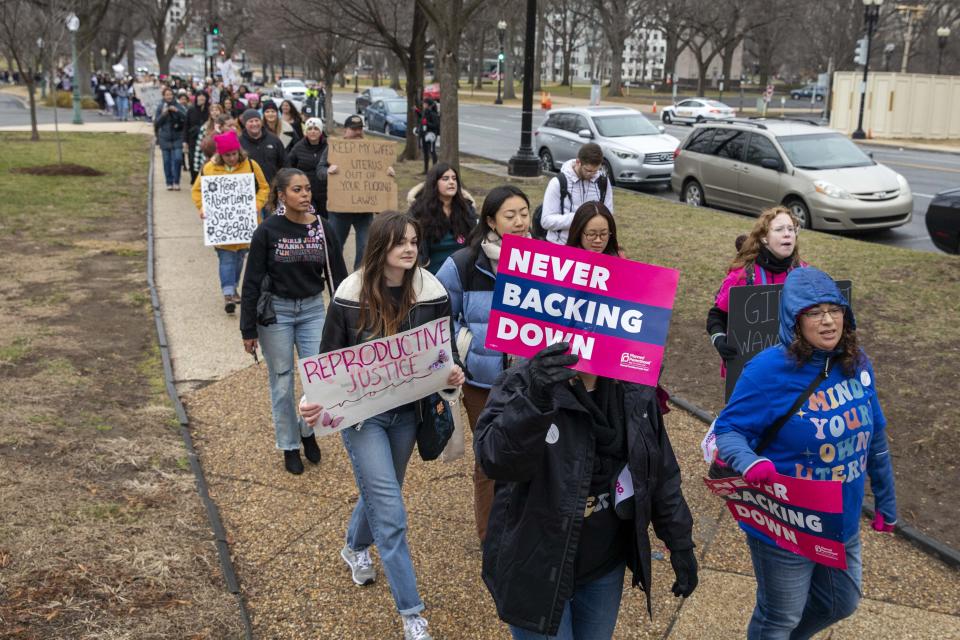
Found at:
<point>907,306</point>
<point>102,533</point>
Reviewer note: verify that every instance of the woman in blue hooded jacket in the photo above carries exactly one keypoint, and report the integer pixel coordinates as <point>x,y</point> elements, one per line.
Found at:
<point>838,434</point>
<point>468,276</point>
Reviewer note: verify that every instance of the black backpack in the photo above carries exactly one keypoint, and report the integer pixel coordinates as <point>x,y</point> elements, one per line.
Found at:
<point>536,229</point>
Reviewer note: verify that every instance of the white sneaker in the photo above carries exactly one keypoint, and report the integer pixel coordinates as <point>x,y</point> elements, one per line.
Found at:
<point>415,628</point>
<point>361,566</point>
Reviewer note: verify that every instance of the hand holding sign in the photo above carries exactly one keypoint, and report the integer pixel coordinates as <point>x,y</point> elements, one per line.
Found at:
<point>549,367</point>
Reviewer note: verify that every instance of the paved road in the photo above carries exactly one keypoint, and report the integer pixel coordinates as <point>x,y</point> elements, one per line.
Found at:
<point>494,132</point>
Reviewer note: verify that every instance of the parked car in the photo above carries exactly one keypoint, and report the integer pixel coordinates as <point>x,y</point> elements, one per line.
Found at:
<point>696,110</point>
<point>431,92</point>
<point>387,116</point>
<point>943,220</point>
<point>635,151</point>
<point>808,91</point>
<point>371,95</point>
<point>290,89</point>
<point>825,179</point>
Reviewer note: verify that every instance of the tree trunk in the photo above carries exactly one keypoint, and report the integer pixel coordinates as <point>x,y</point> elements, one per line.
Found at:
<point>394,75</point>
<point>131,55</point>
<point>414,71</point>
<point>448,70</point>
<point>329,77</point>
<point>509,92</point>
<point>31,93</point>
<point>567,54</point>
<point>616,68</point>
<point>673,49</point>
<point>702,67</point>
<point>481,69</point>
<point>538,51</point>
<point>729,50</point>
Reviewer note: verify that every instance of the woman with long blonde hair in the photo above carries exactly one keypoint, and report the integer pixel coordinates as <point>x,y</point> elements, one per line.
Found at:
<point>768,253</point>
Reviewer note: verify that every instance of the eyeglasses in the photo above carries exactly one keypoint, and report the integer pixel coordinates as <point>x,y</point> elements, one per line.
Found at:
<point>596,235</point>
<point>792,230</point>
<point>819,315</point>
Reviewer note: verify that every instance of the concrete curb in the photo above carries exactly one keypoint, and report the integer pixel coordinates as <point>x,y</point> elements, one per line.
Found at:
<point>213,513</point>
<point>931,546</point>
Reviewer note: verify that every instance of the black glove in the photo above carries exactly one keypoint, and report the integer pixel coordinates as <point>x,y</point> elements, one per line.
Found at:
<point>550,366</point>
<point>727,349</point>
<point>685,567</point>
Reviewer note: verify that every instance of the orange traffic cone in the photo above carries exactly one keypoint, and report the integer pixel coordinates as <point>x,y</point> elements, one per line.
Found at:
<point>654,106</point>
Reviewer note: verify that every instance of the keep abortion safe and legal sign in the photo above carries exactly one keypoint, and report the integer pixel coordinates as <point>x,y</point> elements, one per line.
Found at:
<point>615,313</point>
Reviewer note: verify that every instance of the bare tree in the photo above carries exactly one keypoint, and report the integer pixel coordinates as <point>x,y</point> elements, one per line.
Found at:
<point>765,43</point>
<point>28,30</point>
<point>567,28</point>
<point>449,18</point>
<point>618,19</point>
<point>156,14</point>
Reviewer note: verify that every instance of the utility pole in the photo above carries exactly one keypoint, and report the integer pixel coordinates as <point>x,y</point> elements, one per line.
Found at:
<point>871,14</point>
<point>913,12</point>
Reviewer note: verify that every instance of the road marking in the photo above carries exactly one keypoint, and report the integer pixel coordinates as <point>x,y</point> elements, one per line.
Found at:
<point>478,126</point>
<point>921,166</point>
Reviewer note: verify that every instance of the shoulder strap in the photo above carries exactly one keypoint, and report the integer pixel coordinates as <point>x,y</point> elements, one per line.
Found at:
<point>602,184</point>
<point>771,433</point>
<point>564,193</point>
<point>750,273</point>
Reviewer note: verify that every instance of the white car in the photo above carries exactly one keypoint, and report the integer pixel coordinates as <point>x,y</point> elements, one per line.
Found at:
<point>697,110</point>
<point>293,90</point>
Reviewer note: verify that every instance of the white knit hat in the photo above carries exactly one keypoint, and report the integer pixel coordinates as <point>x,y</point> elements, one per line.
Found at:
<point>313,123</point>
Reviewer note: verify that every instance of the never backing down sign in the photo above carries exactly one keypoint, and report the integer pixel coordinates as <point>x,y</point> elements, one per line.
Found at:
<point>615,313</point>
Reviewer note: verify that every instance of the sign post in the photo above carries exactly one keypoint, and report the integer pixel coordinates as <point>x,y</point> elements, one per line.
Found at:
<point>615,313</point>
<point>356,383</point>
<point>229,208</point>
<point>361,185</point>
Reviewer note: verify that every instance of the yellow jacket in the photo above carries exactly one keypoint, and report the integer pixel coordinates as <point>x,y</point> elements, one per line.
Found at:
<point>246,166</point>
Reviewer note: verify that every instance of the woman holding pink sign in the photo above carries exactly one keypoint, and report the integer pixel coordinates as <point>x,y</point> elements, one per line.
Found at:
<point>838,434</point>
<point>583,466</point>
<point>388,295</point>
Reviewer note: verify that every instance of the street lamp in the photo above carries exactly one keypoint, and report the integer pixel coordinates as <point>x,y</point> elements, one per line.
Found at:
<point>942,34</point>
<point>73,25</point>
<point>525,162</point>
<point>888,50</point>
<point>871,13</point>
<point>283,60</point>
<point>501,28</point>
<point>103,58</point>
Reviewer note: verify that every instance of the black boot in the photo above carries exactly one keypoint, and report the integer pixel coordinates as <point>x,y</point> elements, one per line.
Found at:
<point>311,449</point>
<point>292,461</point>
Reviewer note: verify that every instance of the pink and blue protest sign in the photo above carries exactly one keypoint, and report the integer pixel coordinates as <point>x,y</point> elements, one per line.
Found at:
<point>799,515</point>
<point>615,313</point>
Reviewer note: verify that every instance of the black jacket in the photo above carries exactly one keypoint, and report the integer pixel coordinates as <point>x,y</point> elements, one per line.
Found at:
<point>267,150</point>
<point>306,157</point>
<point>196,116</point>
<point>534,528</point>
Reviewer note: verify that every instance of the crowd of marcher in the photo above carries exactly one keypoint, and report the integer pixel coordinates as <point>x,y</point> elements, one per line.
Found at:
<point>550,442</point>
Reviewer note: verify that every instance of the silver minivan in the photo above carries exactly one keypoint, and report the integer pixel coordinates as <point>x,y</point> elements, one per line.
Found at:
<point>827,181</point>
<point>635,151</point>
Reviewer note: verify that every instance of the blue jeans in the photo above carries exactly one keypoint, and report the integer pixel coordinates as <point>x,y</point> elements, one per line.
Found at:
<point>172,165</point>
<point>231,264</point>
<point>123,107</point>
<point>591,614</point>
<point>299,323</point>
<point>341,223</point>
<point>797,597</point>
<point>379,452</point>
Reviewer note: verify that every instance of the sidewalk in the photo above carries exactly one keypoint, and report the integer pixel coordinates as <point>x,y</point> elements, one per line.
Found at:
<point>286,531</point>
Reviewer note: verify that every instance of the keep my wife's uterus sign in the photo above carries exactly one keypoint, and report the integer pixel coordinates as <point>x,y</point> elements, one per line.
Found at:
<point>615,313</point>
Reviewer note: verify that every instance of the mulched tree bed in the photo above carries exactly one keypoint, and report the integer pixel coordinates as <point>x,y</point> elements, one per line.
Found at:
<point>59,170</point>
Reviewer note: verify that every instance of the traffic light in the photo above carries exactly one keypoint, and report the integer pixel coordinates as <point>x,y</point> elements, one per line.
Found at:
<point>215,29</point>
<point>500,56</point>
<point>860,54</point>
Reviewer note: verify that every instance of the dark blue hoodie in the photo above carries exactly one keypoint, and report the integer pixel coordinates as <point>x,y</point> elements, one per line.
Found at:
<point>838,434</point>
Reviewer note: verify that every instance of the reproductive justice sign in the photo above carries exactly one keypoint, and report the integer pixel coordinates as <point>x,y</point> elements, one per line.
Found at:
<point>615,313</point>
<point>799,515</point>
<point>359,382</point>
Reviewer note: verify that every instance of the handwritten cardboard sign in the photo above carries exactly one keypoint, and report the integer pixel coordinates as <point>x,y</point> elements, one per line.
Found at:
<point>753,323</point>
<point>802,516</point>
<point>361,183</point>
<point>615,313</point>
<point>229,208</point>
<point>359,382</point>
